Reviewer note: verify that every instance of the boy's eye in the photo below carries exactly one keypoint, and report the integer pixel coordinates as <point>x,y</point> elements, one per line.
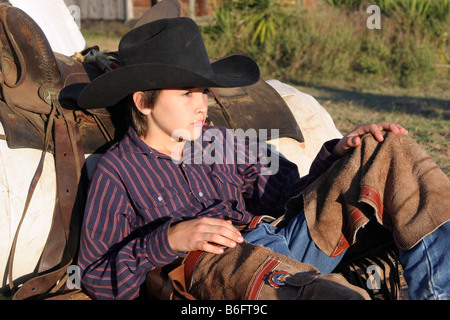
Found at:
<point>188,93</point>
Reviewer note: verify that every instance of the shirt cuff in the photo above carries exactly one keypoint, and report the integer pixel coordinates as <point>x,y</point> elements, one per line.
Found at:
<point>159,248</point>
<point>328,148</point>
<point>177,254</point>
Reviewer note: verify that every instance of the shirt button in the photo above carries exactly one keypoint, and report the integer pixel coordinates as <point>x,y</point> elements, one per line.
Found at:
<point>159,198</point>
<point>200,194</point>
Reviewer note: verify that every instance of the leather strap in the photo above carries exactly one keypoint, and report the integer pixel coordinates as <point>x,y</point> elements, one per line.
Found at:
<point>259,279</point>
<point>63,237</point>
<point>257,220</point>
<point>28,199</point>
<point>190,263</point>
<point>356,214</point>
<point>374,196</point>
<point>69,159</point>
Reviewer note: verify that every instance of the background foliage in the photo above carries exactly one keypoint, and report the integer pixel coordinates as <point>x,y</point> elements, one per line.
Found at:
<point>332,41</point>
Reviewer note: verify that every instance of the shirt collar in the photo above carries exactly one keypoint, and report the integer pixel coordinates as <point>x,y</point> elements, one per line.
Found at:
<point>131,143</point>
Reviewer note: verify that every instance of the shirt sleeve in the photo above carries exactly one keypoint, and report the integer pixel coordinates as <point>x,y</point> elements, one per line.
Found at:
<point>268,193</point>
<point>115,257</point>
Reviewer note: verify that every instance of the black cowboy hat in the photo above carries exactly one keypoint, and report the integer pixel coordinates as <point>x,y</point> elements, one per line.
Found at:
<point>167,53</point>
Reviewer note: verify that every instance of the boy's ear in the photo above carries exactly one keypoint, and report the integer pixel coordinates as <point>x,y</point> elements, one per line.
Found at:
<point>139,101</point>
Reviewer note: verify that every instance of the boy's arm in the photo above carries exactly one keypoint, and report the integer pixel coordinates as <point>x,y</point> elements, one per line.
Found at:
<point>114,261</point>
<point>267,194</point>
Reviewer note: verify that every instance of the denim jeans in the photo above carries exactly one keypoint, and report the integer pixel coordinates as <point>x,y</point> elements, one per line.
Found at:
<point>426,266</point>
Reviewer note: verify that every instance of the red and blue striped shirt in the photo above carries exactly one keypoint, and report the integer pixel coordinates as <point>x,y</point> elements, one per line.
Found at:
<point>136,193</point>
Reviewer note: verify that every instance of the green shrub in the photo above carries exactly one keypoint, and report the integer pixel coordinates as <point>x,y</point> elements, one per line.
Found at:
<point>331,42</point>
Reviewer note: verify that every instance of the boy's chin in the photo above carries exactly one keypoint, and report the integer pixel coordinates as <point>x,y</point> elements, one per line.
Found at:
<point>196,133</point>
<point>188,136</point>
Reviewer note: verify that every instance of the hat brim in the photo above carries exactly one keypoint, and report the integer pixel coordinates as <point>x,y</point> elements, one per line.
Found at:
<point>111,87</point>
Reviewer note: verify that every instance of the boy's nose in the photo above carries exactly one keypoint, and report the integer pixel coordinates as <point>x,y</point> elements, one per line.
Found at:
<point>201,102</point>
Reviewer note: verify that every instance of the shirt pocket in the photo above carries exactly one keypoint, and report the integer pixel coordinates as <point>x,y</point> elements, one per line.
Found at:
<point>164,196</point>
<point>228,187</point>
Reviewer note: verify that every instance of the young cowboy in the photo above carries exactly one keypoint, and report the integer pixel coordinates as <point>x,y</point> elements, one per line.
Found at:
<point>157,195</point>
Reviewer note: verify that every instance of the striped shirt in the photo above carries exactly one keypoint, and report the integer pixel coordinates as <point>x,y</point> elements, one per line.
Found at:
<point>136,193</point>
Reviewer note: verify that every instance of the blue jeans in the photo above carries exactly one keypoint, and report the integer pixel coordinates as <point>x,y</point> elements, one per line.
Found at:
<point>426,266</point>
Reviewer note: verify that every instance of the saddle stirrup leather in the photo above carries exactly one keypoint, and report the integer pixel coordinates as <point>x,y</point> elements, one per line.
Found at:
<point>31,81</point>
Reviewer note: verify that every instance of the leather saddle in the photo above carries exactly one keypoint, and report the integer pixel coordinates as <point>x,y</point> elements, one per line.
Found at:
<point>247,108</point>
<point>31,75</point>
<point>38,109</point>
<point>34,113</point>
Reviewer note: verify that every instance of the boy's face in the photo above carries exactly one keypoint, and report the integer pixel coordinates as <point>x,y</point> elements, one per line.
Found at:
<point>180,113</point>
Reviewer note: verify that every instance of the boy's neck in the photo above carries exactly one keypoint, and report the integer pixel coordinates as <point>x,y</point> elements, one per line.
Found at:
<point>171,148</point>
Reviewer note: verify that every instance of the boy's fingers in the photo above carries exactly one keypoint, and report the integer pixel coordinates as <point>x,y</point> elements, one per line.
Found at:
<point>355,141</point>
<point>220,240</point>
<point>211,248</point>
<point>223,225</point>
<point>231,234</point>
<point>217,232</point>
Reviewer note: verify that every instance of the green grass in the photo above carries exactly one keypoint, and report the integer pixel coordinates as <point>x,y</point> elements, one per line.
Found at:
<point>425,115</point>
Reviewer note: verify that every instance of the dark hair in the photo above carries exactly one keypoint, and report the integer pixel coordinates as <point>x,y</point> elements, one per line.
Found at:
<point>138,120</point>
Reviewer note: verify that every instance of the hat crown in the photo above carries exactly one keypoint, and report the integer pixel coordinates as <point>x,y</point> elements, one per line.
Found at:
<point>173,41</point>
<point>166,53</point>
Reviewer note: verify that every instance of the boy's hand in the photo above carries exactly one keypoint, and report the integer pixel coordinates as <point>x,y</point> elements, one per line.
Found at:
<point>203,234</point>
<point>353,138</point>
